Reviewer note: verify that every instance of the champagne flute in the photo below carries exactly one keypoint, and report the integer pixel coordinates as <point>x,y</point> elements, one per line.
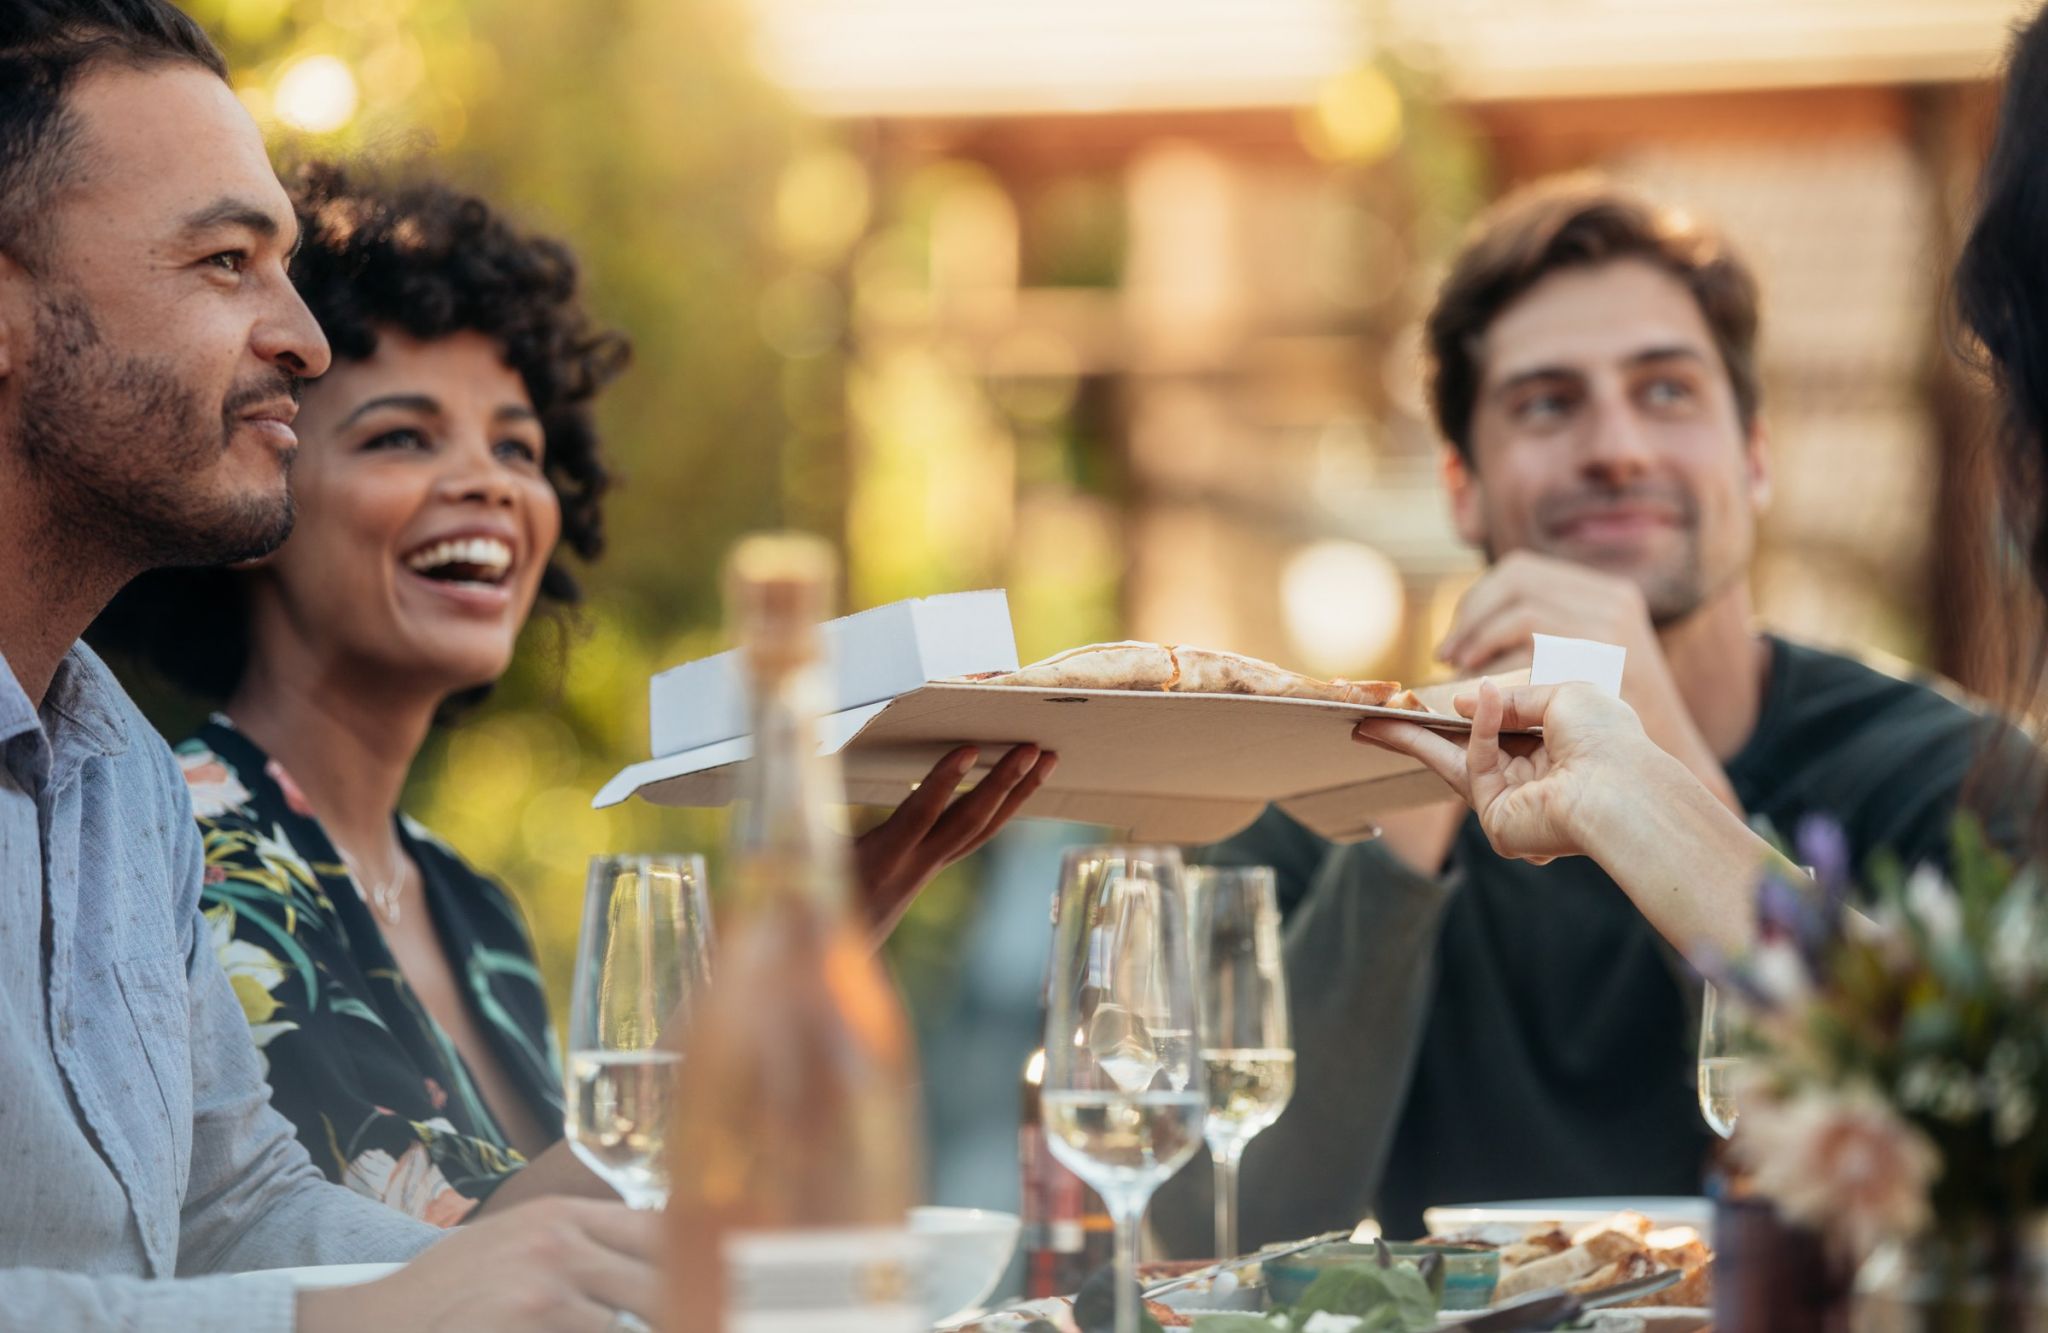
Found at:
<point>642,960</point>
<point>1119,1038</point>
<point>1720,1068</point>
<point>1247,1054</point>
<point>1721,1057</point>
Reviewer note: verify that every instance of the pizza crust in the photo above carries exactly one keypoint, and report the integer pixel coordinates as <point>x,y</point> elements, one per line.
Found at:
<point>1184,670</point>
<point>1102,666</point>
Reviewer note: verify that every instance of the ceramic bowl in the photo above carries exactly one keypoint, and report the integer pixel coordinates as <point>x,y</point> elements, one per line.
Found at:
<point>967,1251</point>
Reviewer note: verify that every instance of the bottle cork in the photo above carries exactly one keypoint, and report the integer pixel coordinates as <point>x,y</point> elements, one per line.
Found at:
<point>778,589</point>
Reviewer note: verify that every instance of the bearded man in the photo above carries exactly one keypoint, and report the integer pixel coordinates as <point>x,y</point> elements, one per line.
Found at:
<point>151,348</point>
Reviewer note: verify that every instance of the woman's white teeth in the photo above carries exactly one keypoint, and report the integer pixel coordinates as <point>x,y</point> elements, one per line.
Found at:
<point>487,555</point>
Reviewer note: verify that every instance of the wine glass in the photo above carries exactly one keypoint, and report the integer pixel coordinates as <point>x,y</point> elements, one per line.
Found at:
<point>642,960</point>
<point>1247,1054</point>
<point>1119,1110</point>
<point>1720,1067</point>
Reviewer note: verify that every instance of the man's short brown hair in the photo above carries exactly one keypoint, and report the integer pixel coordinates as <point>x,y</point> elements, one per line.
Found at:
<point>1580,222</point>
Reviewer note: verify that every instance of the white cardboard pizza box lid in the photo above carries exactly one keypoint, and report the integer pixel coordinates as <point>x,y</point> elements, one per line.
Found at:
<point>872,656</point>
<point>1183,768</point>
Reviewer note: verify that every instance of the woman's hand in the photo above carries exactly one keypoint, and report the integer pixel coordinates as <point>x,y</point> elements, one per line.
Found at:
<point>931,830</point>
<point>1535,797</point>
<point>1595,785</point>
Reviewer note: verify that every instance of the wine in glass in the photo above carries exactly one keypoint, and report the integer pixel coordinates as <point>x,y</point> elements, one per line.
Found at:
<point>641,961</point>
<point>1720,1066</point>
<point>1122,1107</point>
<point>1247,1054</point>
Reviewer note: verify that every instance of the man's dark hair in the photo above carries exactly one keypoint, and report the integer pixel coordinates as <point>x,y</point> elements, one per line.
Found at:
<point>1580,222</point>
<point>45,46</point>
<point>406,252</point>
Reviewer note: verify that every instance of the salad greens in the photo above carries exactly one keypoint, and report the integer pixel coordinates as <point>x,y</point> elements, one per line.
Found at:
<point>1355,1298</point>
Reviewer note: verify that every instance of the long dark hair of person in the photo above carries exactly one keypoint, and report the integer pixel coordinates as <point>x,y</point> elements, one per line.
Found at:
<point>2001,297</point>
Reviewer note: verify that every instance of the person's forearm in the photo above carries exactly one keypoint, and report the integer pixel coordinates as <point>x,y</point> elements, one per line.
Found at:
<point>1689,864</point>
<point>1666,721</point>
<point>1689,748</point>
<point>557,1170</point>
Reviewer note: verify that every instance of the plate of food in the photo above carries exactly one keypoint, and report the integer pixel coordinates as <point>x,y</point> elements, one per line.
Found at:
<point>1672,1210</point>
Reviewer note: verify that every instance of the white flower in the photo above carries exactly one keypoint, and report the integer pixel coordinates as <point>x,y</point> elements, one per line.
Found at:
<point>1778,970</point>
<point>1933,903</point>
<point>254,972</point>
<point>1940,1088</point>
<point>1842,1162</point>
<point>214,788</point>
<point>2017,936</point>
<point>412,1184</point>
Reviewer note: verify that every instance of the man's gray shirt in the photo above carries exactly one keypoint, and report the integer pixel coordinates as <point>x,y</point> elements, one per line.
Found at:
<point>137,1140</point>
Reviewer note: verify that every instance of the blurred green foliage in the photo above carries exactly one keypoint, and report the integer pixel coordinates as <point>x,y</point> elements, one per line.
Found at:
<point>710,218</point>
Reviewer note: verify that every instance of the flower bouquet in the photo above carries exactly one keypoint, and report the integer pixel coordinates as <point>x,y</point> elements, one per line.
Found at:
<point>1896,1070</point>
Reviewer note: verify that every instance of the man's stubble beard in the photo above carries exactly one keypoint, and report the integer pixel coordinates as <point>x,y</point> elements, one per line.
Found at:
<point>116,445</point>
<point>1674,589</point>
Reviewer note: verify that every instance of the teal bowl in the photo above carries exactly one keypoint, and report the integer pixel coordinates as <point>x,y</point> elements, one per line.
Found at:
<point>1470,1271</point>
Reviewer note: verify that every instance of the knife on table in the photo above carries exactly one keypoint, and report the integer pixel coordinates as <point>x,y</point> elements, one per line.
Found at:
<point>1551,1306</point>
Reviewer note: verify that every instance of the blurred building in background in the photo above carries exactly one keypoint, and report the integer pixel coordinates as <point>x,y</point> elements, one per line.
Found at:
<point>1168,260</point>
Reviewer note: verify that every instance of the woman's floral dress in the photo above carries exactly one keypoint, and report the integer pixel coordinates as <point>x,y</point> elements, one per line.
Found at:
<point>381,1097</point>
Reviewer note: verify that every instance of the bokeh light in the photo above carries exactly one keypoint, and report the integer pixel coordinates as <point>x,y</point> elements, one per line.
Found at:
<point>1356,117</point>
<point>316,94</point>
<point>1343,603</point>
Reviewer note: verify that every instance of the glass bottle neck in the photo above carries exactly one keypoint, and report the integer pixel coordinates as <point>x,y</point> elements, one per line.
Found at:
<point>784,843</point>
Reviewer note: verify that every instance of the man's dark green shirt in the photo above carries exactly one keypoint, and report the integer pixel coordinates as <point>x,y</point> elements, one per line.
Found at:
<point>1511,1031</point>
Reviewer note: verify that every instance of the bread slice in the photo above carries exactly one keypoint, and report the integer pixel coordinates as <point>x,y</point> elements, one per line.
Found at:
<point>1558,1270</point>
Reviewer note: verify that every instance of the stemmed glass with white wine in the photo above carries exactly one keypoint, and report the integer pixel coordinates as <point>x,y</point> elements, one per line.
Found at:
<point>1122,1106</point>
<point>641,962</point>
<point>1247,1054</point>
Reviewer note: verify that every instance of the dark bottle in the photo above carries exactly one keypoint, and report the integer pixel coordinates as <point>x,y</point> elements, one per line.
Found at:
<point>1067,1230</point>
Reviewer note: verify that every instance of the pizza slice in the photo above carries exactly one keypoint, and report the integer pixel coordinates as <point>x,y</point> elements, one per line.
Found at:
<point>1184,670</point>
<point>1101,666</point>
<point>1207,671</point>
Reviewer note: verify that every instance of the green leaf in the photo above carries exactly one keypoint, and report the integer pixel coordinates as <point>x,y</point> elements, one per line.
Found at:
<point>1367,1291</point>
<point>1232,1323</point>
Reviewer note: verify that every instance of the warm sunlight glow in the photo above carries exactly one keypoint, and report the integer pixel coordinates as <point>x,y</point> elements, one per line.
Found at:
<point>1342,601</point>
<point>316,94</point>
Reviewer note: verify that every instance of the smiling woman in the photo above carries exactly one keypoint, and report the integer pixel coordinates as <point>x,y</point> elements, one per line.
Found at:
<point>445,461</point>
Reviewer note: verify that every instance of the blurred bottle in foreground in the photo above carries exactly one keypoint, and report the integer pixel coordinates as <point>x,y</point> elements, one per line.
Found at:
<point>794,1158</point>
<point>1068,1233</point>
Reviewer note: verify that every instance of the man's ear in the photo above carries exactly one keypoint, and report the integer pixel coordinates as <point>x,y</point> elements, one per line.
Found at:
<point>1467,497</point>
<point>17,308</point>
<point>1756,463</point>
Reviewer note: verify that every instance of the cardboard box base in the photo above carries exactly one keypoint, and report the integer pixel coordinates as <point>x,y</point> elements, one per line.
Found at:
<point>1182,768</point>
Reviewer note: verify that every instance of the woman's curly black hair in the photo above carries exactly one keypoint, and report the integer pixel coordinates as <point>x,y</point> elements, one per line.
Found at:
<point>405,251</point>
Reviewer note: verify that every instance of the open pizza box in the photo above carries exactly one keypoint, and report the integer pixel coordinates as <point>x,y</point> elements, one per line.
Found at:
<point>1162,767</point>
